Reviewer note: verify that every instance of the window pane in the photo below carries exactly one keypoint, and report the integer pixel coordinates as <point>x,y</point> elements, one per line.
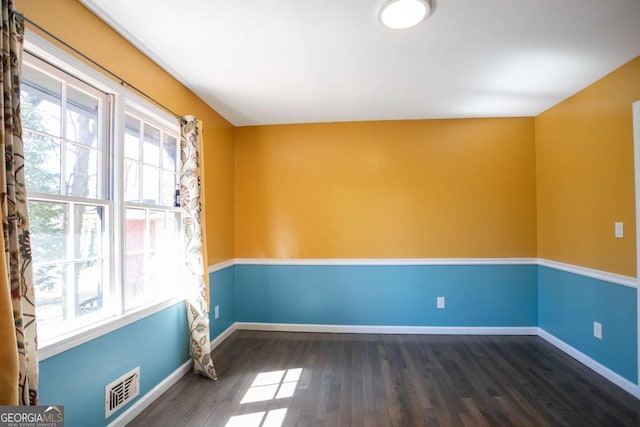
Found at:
<point>88,279</point>
<point>82,117</point>
<point>167,196</point>
<point>169,248</point>
<point>154,279</point>
<point>153,271</point>
<point>48,222</point>
<point>88,231</point>
<point>135,257</point>
<point>48,287</point>
<point>160,279</point>
<point>42,157</point>
<point>151,146</point>
<point>131,137</point>
<point>157,231</point>
<point>40,102</point>
<point>131,181</point>
<point>174,227</point>
<point>169,152</point>
<point>69,232</point>
<point>173,223</point>
<point>150,185</point>
<point>82,171</point>
<point>134,280</point>
<point>167,259</point>
<point>134,234</point>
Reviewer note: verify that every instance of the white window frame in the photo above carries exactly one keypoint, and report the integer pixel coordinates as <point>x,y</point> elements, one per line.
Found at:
<point>101,199</point>
<point>123,100</point>
<point>145,119</point>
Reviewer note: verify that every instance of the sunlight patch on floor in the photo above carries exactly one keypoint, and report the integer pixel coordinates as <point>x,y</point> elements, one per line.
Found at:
<point>267,386</point>
<point>272,418</point>
<point>273,385</point>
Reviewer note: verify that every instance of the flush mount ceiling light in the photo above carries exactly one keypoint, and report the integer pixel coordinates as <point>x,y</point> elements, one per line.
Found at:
<point>402,14</point>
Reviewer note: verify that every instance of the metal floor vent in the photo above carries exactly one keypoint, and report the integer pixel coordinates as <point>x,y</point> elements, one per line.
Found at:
<point>121,391</point>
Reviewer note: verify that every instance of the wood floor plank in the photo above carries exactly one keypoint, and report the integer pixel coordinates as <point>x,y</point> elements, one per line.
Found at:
<point>392,380</point>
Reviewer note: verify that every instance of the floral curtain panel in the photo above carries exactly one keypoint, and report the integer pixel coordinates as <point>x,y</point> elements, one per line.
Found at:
<point>15,267</point>
<point>197,301</point>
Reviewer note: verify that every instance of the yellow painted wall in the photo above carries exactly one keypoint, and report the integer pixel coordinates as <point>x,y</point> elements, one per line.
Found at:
<point>77,26</point>
<point>404,189</point>
<point>429,188</point>
<point>585,181</point>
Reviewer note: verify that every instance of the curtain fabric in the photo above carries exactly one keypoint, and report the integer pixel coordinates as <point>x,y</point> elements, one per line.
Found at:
<point>16,265</point>
<point>197,300</point>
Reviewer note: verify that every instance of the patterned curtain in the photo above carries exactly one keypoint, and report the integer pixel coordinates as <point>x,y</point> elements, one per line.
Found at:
<point>16,264</point>
<point>197,300</point>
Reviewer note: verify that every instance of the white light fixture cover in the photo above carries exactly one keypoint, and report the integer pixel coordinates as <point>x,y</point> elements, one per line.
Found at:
<point>402,14</point>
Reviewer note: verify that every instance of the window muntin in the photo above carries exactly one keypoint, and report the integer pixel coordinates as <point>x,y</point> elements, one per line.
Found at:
<point>150,169</point>
<point>152,231</point>
<point>152,266</point>
<point>77,201</point>
<point>63,122</point>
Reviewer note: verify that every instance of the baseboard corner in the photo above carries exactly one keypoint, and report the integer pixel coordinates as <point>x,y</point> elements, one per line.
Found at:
<point>224,335</point>
<point>615,378</point>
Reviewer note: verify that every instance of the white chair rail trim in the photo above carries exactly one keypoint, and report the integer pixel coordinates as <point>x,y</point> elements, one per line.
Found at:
<point>618,279</point>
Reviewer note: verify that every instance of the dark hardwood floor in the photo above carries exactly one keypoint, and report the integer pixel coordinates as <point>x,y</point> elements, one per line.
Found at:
<point>304,379</point>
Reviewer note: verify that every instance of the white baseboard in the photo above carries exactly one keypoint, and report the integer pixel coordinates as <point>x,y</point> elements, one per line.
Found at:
<point>146,400</point>
<point>366,329</point>
<point>599,368</point>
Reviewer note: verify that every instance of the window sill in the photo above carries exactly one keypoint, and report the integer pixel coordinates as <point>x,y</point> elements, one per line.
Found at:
<point>80,336</point>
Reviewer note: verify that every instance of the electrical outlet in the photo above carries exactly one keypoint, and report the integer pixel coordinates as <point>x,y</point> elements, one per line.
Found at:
<point>440,302</point>
<point>618,230</point>
<point>216,312</point>
<point>597,330</point>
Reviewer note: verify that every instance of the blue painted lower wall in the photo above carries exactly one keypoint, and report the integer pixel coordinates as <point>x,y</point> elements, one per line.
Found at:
<point>476,295</point>
<point>76,378</point>
<point>563,304</point>
<point>222,294</point>
<point>570,303</point>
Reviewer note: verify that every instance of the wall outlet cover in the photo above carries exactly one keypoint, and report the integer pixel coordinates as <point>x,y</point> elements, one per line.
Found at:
<point>597,330</point>
<point>619,230</point>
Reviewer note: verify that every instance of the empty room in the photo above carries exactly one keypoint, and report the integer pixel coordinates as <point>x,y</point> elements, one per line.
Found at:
<point>330,213</point>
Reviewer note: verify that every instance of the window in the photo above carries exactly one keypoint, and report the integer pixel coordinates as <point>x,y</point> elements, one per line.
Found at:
<point>63,123</point>
<point>152,221</point>
<point>101,172</point>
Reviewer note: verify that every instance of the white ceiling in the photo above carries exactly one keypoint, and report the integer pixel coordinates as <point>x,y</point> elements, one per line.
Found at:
<point>299,61</point>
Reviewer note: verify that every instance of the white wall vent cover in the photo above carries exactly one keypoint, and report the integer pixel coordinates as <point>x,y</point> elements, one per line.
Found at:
<point>121,391</point>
